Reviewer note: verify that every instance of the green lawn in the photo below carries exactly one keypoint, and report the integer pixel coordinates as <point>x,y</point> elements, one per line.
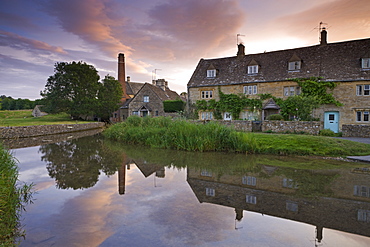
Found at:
<point>25,118</point>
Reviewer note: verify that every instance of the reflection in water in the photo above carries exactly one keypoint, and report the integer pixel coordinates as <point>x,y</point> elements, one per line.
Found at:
<point>77,163</point>
<point>328,198</point>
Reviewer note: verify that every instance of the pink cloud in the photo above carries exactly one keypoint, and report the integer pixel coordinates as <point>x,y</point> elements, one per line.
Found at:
<point>346,20</point>
<point>16,41</point>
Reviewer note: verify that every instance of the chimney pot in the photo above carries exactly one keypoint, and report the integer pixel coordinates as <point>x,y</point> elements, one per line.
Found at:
<point>241,50</point>
<point>324,36</point>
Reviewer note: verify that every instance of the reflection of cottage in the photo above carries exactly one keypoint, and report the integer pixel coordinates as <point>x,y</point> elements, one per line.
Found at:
<point>37,111</point>
<point>142,99</point>
<point>347,63</point>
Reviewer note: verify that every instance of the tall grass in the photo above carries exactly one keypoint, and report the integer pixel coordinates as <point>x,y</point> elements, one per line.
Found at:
<point>181,135</point>
<point>12,200</point>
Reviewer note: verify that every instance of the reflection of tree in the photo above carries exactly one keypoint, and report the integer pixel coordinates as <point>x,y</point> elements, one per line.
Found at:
<point>77,163</point>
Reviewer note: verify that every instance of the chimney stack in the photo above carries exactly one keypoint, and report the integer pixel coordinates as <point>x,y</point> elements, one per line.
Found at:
<point>324,35</point>
<point>241,50</point>
<point>122,75</point>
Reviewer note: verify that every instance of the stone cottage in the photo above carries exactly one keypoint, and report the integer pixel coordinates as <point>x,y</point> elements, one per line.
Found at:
<point>347,63</point>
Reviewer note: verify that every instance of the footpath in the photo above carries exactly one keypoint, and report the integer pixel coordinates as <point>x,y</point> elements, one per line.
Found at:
<point>358,139</point>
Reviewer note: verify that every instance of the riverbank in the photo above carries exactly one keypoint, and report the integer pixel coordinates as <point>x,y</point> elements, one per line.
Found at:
<point>43,130</point>
<point>183,135</point>
<point>12,199</point>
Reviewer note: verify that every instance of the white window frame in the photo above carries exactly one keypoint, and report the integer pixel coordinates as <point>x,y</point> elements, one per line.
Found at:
<point>211,73</point>
<point>210,192</point>
<point>363,215</point>
<point>363,90</point>
<point>205,173</point>
<point>208,94</point>
<point>249,180</point>
<point>363,116</point>
<point>250,90</point>
<point>291,206</point>
<point>252,69</point>
<point>291,91</point>
<point>365,63</point>
<point>251,199</point>
<point>135,113</point>
<point>146,98</point>
<point>294,66</point>
<point>206,115</point>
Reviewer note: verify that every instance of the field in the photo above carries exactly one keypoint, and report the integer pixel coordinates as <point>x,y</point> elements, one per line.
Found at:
<point>25,118</point>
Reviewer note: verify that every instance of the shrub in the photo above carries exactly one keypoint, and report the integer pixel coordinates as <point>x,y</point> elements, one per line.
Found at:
<point>327,132</point>
<point>173,105</point>
<point>275,117</point>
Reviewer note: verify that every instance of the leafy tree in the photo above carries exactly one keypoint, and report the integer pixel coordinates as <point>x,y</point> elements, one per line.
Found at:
<point>73,89</point>
<point>109,96</point>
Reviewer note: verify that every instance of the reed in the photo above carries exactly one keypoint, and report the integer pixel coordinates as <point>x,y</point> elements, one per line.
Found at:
<point>183,135</point>
<point>12,200</point>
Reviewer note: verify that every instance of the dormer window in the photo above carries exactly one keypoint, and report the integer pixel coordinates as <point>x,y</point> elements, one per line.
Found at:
<point>253,69</point>
<point>294,63</point>
<point>366,63</point>
<point>211,73</point>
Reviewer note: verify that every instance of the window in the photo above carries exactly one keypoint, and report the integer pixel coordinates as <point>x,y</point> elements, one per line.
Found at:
<point>291,91</point>
<point>135,113</point>
<point>291,206</point>
<point>362,191</point>
<point>289,183</point>
<point>251,199</point>
<point>210,192</point>
<point>207,115</point>
<point>206,173</point>
<point>146,98</point>
<point>363,90</point>
<point>250,89</point>
<point>156,113</point>
<point>362,116</point>
<point>211,73</point>
<point>249,180</point>
<point>206,94</point>
<point>253,69</point>
<point>295,65</point>
<point>366,63</point>
<point>363,215</point>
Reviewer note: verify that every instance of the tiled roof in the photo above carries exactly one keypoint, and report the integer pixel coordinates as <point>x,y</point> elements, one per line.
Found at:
<point>133,87</point>
<point>164,94</point>
<point>335,62</point>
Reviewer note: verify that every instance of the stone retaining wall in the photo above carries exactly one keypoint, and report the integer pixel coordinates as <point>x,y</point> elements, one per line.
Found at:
<point>42,130</point>
<point>311,127</point>
<point>356,130</point>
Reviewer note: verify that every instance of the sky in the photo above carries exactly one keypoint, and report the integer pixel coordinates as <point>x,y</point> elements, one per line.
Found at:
<point>161,39</point>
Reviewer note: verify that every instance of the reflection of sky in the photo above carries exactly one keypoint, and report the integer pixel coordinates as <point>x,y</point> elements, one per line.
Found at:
<point>152,212</point>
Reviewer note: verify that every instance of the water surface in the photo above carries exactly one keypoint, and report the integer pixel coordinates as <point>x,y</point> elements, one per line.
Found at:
<point>94,192</point>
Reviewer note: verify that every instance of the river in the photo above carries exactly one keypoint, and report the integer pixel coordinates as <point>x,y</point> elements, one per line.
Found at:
<point>95,192</point>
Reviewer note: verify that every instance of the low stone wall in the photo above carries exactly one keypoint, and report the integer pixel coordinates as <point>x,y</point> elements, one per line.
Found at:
<point>42,130</point>
<point>311,127</point>
<point>356,130</point>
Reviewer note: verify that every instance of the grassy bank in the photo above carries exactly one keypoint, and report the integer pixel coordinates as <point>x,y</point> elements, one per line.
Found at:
<point>183,135</point>
<point>12,199</point>
<point>25,118</point>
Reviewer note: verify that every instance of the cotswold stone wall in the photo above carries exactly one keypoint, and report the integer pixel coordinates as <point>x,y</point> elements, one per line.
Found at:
<point>311,127</point>
<point>41,130</point>
<point>356,130</point>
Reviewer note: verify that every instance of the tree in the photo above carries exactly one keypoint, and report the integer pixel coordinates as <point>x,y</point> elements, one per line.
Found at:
<point>73,89</point>
<point>298,107</point>
<point>109,96</point>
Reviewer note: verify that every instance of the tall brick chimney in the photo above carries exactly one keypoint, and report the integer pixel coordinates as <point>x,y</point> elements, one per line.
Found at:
<point>122,75</point>
<point>324,37</point>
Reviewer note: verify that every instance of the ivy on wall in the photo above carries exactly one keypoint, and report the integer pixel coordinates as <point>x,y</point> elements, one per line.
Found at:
<point>314,92</point>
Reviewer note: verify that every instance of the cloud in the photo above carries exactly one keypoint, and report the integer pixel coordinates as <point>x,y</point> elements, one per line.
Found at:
<point>92,21</point>
<point>16,41</point>
<point>346,20</point>
<point>182,29</point>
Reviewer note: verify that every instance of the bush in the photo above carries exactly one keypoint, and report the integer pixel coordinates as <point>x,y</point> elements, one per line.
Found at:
<point>327,132</point>
<point>275,117</point>
<point>173,105</point>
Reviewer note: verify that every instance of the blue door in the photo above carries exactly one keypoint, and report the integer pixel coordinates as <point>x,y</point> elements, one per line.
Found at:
<point>331,121</point>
